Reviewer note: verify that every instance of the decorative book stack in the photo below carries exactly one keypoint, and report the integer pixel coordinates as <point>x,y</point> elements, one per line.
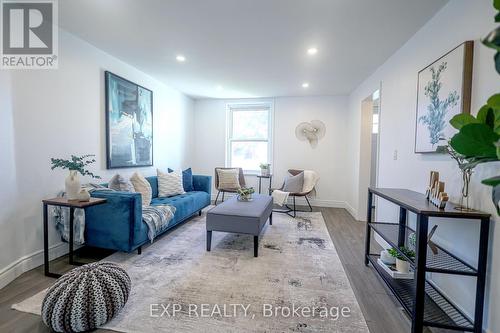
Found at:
<point>435,191</point>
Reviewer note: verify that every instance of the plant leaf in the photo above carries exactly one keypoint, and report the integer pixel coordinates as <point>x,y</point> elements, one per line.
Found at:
<point>462,119</point>
<point>496,4</point>
<point>486,115</point>
<point>475,140</point>
<point>492,39</point>
<point>497,61</point>
<point>493,181</point>
<point>495,196</point>
<point>494,101</point>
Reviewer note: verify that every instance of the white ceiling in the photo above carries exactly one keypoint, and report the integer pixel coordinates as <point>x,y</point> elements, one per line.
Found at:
<point>252,48</point>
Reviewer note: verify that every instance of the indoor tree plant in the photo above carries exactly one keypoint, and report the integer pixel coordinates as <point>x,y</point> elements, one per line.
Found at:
<point>76,165</point>
<point>478,138</point>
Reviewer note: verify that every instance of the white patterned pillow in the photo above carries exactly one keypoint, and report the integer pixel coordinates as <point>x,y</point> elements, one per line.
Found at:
<point>170,184</point>
<point>142,186</point>
<point>229,179</point>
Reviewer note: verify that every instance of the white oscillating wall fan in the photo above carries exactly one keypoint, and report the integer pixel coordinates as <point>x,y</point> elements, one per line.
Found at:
<point>311,131</point>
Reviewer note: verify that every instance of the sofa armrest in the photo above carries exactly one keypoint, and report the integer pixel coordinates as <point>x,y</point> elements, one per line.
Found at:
<point>116,223</point>
<point>202,183</point>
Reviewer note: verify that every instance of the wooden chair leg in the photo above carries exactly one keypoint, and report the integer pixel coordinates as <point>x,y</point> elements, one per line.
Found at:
<point>223,195</point>
<point>217,197</point>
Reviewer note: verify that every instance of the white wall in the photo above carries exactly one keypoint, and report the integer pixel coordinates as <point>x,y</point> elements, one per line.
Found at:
<point>458,21</point>
<point>328,158</point>
<point>55,113</point>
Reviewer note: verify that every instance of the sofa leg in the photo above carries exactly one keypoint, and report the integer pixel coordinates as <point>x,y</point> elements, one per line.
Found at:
<point>199,213</point>
<point>139,250</point>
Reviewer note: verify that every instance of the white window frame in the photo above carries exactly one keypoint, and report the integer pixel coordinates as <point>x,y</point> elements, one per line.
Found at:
<point>239,106</point>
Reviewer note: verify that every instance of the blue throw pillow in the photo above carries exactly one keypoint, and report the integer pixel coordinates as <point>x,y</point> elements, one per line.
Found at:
<point>187,179</point>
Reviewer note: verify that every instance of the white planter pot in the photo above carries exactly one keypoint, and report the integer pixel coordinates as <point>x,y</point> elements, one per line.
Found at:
<point>387,258</point>
<point>402,266</point>
<point>264,172</point>
<point>72,185</point>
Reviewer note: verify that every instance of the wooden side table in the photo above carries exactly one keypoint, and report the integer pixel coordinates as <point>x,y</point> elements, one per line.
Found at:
<point>270,177</point>
<point>63,202</point>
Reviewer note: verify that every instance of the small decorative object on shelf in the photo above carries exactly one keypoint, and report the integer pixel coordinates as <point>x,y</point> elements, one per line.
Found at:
<point>387,258</point>
<point>76,165</point>
<point>265,169</point>
<point>245,193</point>
<point>393,272</point>
<point>435,191</point>
<point>412,241</point>
<point>84,195</point>
<point>431,244</point>
<point>402,265</point>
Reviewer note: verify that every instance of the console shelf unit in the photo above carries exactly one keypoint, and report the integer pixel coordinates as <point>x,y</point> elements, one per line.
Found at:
<point>420,298</point>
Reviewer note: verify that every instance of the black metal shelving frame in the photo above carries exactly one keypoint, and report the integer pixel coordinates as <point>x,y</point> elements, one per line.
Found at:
<point>420,298</point>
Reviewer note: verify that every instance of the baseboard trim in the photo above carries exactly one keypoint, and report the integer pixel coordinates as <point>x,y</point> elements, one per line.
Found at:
<point>302,202</point>
<point>28,262</point>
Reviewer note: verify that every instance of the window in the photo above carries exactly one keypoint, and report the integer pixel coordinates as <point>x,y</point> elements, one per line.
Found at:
<point>249,135</point>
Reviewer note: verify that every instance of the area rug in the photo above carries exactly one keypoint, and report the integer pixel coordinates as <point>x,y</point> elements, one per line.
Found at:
<point>297,284</point>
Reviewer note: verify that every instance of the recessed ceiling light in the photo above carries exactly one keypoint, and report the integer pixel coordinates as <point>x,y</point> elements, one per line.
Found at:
<point>180,58</point>
<point>312,51</point>
<point>305,85</point>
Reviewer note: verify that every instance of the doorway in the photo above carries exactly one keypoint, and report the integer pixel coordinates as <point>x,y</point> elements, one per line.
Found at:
<point>369,149</point>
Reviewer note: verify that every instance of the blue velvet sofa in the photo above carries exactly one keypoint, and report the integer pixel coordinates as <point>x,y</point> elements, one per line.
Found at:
<point>118,224</point>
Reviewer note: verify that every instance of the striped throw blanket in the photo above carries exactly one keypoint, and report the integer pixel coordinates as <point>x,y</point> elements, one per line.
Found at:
<point>157,219</point>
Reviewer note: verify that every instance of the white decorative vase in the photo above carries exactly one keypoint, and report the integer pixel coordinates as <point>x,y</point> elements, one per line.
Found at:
<point>387,258</point>
<point>72,185</point>
<point>402,266</point>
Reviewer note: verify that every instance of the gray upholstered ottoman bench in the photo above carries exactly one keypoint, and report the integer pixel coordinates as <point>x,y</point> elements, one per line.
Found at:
<point>241,217</point>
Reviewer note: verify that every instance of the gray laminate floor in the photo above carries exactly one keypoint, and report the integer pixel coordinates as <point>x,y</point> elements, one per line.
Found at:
<point>382,313</point>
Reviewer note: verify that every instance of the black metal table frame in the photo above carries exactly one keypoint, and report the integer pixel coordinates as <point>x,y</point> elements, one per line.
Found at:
<point>46,240</point>
<point>260,182</point>
<point>422,225</point>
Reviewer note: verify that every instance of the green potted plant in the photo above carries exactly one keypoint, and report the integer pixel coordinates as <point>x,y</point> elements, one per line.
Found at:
<point>265,169</point>
<point>402,265</point>
<point>245,193</point>
<point>76,165</point>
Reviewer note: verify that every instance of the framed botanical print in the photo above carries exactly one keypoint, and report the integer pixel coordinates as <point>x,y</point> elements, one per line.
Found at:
<point>129,123</point>
<point>443,90</point>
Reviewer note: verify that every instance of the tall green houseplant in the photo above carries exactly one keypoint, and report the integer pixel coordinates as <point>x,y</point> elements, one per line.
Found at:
<point>478,138</point>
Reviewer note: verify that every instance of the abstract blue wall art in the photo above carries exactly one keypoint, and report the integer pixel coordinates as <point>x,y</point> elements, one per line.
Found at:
<point>129,123</point>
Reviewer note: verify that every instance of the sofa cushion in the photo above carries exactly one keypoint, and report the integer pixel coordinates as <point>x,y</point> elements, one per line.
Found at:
<point>187,179</point>
<point>153,181</point>
<point>120,183</point>
<point>170,184</point>
<point>186,204</point>
<point>228,179</point>
<point>294,184</point>
<point>142,186</point>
